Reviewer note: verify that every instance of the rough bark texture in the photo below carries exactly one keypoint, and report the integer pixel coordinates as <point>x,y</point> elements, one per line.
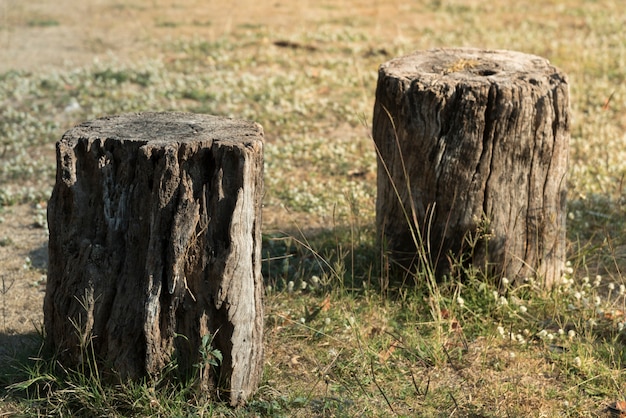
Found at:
<point>154,243</point>
<point>473,153</point>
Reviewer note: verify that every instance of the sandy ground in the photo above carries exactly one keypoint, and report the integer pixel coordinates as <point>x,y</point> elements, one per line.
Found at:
<point>40,34</point>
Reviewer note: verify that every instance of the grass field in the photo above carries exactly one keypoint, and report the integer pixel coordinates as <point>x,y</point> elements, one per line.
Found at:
<point>342,337</point>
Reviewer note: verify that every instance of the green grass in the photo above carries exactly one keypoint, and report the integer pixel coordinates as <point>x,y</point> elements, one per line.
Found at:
<point>42,23</point>
<point>344,335</point>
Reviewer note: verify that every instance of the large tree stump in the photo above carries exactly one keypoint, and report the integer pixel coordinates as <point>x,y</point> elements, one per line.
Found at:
<point>473,152</point>
<point>155,243</point>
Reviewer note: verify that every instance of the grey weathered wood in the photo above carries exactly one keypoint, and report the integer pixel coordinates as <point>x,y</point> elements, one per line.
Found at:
<point>472,138</point>
<point>155,242</point>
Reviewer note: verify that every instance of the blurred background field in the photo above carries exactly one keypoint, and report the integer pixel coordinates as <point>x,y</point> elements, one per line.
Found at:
<point>343,339</point>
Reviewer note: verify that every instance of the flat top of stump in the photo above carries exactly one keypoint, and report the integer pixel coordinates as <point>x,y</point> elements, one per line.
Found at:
<point>472,64</point>
<point>169,126</point>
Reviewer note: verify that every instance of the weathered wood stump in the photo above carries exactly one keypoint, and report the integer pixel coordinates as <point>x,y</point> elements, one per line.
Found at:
<point>473,152</point>
<point>155,244</point>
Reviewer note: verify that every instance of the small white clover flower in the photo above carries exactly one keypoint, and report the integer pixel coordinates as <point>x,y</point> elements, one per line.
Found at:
<point>505,281</point>
<point>302,320</point>
<point>571,334</point>
<point>611,286</point>
<point>622,289</point>
<point>303,285</point>
<point>511,355</point>
<point>520,339</point>
<point>620,326</point>
<point>460,301</point>
<point>327,321</point>
<point>502,301</point>
<point>542,334</point>
<point>578,295</point>
<point>561,331</point>
<point>597,281</point>
<point>577,361</point>
<point>315,280</point>
<point>290,286</point>
<point>597,301</point>
<point>27,263</point>
<point>522,309</point>
<point>501,331</point>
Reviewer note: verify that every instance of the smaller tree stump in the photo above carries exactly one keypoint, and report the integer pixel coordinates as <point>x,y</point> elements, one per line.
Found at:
<point>473,152</point>
<point>155,249</point>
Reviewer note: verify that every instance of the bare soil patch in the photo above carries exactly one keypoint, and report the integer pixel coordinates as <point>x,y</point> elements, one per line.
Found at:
<point>40,35</point>
<point>23,256</point>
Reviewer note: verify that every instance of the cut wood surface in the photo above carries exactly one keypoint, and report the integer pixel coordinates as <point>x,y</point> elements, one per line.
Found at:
<point>473,152</point>
<point>155,223</point>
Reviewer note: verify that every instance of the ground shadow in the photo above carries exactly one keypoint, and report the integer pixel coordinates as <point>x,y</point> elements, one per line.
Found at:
<point>341,255</point>
<point>17,351</point>
<point>39,257</point>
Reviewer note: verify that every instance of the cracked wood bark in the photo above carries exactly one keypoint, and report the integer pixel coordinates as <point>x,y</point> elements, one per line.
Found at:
<point>473,145</point>
<point>154,243</point>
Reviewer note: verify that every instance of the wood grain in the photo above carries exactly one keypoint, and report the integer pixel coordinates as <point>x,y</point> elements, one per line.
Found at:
<point>155,242</point>
<point>473,153</point>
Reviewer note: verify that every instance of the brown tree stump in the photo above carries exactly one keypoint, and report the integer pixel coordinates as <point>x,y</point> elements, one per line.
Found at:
<point>155,243</point>
<point>473,153</point>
